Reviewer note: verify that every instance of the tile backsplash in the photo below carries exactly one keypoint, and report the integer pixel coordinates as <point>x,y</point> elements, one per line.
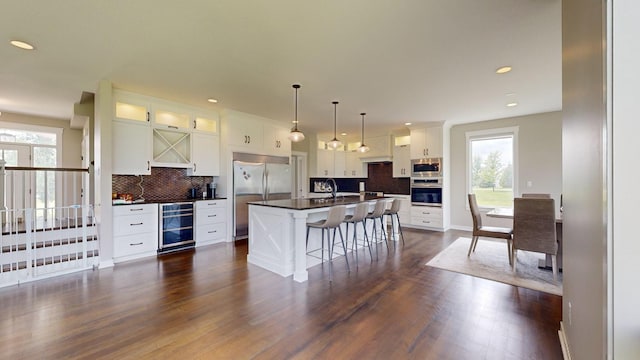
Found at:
<point>162,184</point>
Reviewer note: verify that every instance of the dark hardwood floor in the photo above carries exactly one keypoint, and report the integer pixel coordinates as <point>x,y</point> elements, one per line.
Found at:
<point>209,303</point>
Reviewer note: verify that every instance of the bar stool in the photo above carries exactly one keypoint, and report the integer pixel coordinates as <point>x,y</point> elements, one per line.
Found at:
<point>377,214</point>
<point>393,212</point>
<point>335,217</point>
<point>359,213</point>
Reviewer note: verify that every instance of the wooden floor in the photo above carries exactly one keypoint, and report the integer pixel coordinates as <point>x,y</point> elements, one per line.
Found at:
<point>209,303</point>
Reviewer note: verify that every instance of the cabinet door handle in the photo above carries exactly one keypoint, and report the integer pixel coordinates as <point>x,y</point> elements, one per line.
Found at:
<point>136,209</point>
<point>214,215</point>
<point>136,224</point>
<point>211,232</point>
<point>195,167</point>
<point>148,165</point>
<point>249,139</point>
<point>135,244</point>
<point>172,127</point>
<point>194,124</point>
<point>148,116</point>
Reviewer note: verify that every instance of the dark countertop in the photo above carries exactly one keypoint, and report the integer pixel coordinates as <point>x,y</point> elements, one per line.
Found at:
<point>169,201</point>
<point>306,204</point>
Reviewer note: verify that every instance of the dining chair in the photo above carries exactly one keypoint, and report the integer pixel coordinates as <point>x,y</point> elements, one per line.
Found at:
<point>534,229</point>
<point>537,196</point>
<point>486,231</point>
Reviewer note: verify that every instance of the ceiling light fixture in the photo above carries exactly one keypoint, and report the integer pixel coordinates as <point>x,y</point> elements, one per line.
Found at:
<point>363,148</point>
<point>503,69</point>
<point>296,135</point>
<point>407,124</point>
<point>212,100</point>
<point>335,143</point>
<point>21,44</point>
<point>512,104</point>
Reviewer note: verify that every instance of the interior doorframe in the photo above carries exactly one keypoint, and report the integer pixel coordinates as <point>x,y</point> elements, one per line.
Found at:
<point>299,179</point>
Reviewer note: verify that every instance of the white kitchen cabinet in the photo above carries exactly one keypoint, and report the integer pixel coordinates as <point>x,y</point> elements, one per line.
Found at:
<point>379,146</point>
<point>426,216</point>
<point>276,140</point>
<point>171,148</point>
<point>169,115</point>
<point>401,161</point>
<point>131,107</point>
<point>245,131</point>
<point>206,123</point>
<point>210,221</point>
<point>426,142</point>
<point>205,159</point>
<point>355,167</point>
<point>339,164</point>
<point>325,163</point>
<point>131,148</point>
<point>135,231</point>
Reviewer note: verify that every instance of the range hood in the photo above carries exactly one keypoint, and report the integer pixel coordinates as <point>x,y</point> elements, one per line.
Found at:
<point>376,159</point>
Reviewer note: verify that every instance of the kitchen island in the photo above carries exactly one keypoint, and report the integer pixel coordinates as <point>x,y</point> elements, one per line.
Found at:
<point>277,232</point>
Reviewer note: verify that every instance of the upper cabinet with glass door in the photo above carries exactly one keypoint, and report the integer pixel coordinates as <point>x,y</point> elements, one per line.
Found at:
<point>206,123</point>
<point>171,116</point>
<point>131,107</point>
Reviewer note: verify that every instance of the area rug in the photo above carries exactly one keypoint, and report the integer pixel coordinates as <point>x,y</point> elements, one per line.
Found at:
<point>490,261</point>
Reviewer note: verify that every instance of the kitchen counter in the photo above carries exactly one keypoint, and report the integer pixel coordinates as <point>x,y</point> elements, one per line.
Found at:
<point>277,231</point>
<point>167,201</point>
<point>316,203</point>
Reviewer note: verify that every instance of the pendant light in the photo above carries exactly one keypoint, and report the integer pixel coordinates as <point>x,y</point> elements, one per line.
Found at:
<point>363,148</point>
<point>335,143</point>
<point>296,135</point>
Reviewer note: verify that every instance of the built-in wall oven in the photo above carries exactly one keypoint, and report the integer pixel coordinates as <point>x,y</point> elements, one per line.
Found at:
<point>426,191</point>
<point>176,226</point>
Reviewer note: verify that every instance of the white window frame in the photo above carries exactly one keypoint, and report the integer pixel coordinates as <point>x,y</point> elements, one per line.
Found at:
<point>39,128</point>
<point>488,134</point>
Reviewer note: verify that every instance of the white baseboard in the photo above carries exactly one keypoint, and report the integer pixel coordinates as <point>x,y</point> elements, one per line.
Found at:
<point>460,227</point>
<point>106,264</point>
<point>566,354</point>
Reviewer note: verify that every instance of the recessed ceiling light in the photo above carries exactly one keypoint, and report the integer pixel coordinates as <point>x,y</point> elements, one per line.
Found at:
<point>512,104</point>
<point>407,123</point>
<point>343,134</point>
<point>21,44</point>
<point>212,100</point>
<point>503,69</point>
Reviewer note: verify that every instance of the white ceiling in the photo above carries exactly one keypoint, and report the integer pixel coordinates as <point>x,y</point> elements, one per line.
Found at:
<point>399,61</point>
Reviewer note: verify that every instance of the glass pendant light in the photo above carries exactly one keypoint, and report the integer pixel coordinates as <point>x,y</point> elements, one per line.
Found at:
<point>363,148</point>
<point>335,143</point>
<point>296,135</point>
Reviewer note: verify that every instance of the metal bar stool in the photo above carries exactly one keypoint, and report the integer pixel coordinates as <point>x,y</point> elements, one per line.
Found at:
<point>360,212</point>
<point>376,214</point>
<point>393,212</point>
<point>335,217</point>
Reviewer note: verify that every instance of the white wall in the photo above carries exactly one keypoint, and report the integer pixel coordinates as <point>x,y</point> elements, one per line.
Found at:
<point>585,168</point>
<point>626,197</point>
<point>539,161</point>
<point>71,138</point>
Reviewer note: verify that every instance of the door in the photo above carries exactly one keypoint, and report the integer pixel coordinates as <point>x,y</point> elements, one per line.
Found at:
<point>18,184</point>
<point>248,185</point>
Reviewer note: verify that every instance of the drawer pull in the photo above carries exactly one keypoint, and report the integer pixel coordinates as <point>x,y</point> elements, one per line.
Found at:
<point>214,215</point>
<point>135,244</point>
<point>426,222</point>
<point>426,213</point>
<point>211,232</point>
<point>136,224</point>
<point>212,204</point>
<point>136,209</point>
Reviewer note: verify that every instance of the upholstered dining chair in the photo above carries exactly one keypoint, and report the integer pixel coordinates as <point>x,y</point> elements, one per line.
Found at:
<point>537,196</point>
<point>534,228</point>
<point>486,231</point>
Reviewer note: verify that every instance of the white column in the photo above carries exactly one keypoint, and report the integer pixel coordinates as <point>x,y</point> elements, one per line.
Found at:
<point>300,273</point>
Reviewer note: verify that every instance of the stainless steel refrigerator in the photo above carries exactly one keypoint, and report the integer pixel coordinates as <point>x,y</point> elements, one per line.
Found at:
<point>255,178</point>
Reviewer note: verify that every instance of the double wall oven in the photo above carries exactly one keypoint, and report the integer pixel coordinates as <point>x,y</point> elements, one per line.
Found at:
<point>426,182</point>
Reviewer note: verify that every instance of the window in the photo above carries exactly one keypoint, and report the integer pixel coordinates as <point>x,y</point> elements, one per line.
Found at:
<point>491,165</point>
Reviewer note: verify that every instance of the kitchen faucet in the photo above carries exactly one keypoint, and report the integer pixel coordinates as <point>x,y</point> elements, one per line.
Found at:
<point>334,188</point>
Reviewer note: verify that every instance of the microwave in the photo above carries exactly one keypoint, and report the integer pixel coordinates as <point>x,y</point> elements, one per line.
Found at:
<point>427,167</point>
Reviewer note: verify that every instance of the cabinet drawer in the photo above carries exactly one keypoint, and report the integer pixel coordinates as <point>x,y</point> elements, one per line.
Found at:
<point>134,224</point>
<point>210,216</point>
<point>210,232</point>
<point>134,244</point>
<point>426,212</point>
<point>207,204</point>
<point>421,221</point>
<point>134,209</point>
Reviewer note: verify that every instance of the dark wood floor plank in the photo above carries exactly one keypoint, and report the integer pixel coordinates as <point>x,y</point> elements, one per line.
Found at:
<point>209,303</point>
